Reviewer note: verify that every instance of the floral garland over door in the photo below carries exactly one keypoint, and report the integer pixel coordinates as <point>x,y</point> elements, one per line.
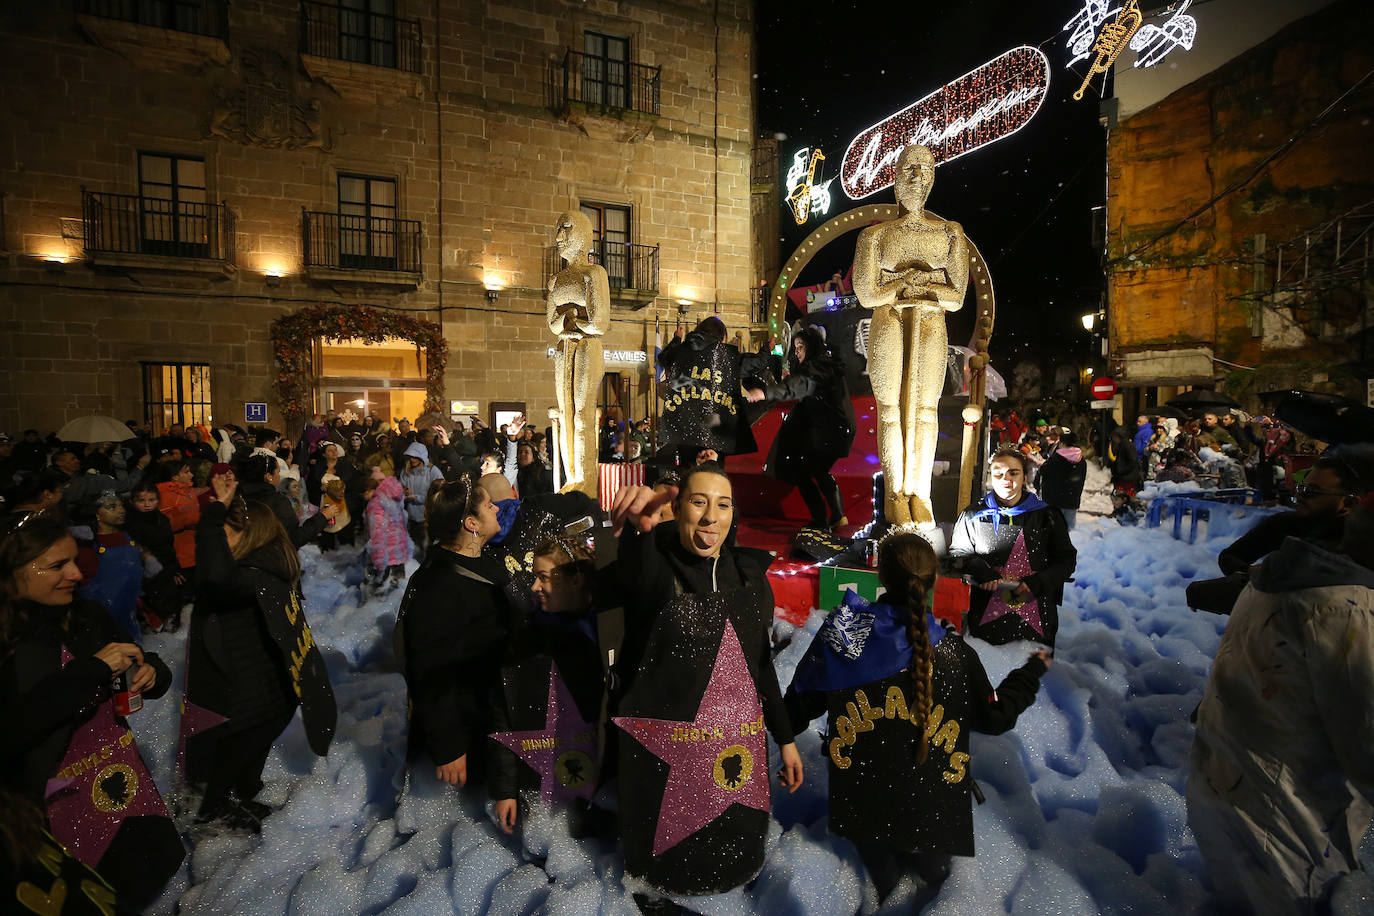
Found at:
<point>293,338</point>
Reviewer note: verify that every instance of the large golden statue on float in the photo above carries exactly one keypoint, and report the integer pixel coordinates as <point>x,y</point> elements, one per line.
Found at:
<point>910,271</point>
<point>578,309</point>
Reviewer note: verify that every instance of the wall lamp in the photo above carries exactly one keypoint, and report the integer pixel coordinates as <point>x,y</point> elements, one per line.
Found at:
<point>492,294</point>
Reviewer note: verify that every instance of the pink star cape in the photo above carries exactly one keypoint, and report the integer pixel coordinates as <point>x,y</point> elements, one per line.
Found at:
<point>194,720</point>
<point>718,759</point>
<point>1018,566</point>
<point>563,752</point>
<point>101,780</point>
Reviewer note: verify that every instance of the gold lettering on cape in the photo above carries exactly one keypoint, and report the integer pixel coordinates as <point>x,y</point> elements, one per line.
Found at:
<point>840,761</point>
<point>957,763</point>
<point>947,736</point>
<point>870,715</point>
<point>896,703</point>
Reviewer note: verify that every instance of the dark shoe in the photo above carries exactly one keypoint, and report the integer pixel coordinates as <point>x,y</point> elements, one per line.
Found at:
<point>655,906</point>
<point>229,814</point>
<point>256,808</point>
<point>172,624</point>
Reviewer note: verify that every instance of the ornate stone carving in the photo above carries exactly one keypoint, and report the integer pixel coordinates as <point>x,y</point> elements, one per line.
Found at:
<point>264,110</point>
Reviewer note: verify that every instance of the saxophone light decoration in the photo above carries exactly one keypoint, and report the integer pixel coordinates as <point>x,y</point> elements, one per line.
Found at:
<point>803,194</point>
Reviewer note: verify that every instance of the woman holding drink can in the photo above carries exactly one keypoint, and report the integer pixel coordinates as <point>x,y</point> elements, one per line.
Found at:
<point>68,746</point>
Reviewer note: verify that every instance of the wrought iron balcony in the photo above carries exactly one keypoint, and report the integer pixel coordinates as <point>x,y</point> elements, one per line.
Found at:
<point>761,297</point>
<point>360,36</point>
<point>631,269</point>
<point>587,82</point>
<point>197,17</point>
<point>339,242</point>
<point>127,224</point>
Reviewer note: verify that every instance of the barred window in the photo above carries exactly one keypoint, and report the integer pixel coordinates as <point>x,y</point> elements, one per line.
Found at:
<point>176,393</point>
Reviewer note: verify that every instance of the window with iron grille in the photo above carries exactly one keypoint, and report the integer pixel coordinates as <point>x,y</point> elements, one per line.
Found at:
<point>367,222</point>
<point>605,70</point>
<point>367,32</point>
<point>199,17</point>
<point>176,393</point>
<point>173,212</point>
<point>611,240</point>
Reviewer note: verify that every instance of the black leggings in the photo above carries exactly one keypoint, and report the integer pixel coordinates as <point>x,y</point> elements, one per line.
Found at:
<point>232,762</point>
<point>887,865</point>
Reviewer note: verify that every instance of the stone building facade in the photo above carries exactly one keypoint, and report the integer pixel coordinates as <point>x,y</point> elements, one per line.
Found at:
<point>183,173</point>
<point>1216,192</point>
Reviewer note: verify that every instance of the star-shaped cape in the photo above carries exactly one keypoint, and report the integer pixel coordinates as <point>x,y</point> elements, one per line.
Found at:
<point>717,759</point>
<point>1018,566</point>
<point>563,752</point>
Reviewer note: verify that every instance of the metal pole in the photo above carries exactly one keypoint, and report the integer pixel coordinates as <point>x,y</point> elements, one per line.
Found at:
<point>556,449</point>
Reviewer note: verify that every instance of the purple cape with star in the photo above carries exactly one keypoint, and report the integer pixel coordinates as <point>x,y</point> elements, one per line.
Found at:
<point>717,759</point>
<point>563,752</point>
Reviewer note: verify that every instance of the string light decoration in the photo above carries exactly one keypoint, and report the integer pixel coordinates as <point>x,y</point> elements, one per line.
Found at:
<point>804,196</point>
<point>982,106</point>
<point>1111,41</point>
<point>1154,42</point>
<point>1085,24</point>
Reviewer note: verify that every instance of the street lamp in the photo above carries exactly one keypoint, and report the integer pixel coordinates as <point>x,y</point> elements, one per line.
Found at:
<point>1088,321</point>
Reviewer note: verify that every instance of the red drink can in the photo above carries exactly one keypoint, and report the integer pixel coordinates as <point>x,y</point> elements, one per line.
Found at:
<point>126,701</point>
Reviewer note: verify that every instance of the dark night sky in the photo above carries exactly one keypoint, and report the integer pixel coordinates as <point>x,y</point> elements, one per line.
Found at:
<point>827,70</point>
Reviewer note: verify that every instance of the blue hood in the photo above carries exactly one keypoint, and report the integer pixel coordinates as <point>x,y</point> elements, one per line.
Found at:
<point>506,510</point>
<point>995,510</point>
<point>1298,565</point>
<point>859,643</point>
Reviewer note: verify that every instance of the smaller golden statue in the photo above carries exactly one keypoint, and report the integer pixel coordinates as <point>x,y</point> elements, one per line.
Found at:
<point>578,311</point>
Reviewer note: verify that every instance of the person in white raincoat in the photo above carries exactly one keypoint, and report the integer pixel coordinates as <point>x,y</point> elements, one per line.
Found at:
<point>1282,778</point>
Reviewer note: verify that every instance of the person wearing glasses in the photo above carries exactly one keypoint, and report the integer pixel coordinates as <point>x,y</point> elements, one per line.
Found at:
<point>1333,487</point>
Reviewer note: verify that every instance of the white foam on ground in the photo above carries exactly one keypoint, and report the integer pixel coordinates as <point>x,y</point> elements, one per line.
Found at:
<point>1084,809</point>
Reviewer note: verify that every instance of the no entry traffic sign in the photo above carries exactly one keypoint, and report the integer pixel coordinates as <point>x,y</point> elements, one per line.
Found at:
<point>1103,388</point>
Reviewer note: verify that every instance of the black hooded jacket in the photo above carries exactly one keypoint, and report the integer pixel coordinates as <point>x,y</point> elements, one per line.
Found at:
<point>677,608</point>
<point>871,744</point>
<point>981,546</point>
<point>450,636</point>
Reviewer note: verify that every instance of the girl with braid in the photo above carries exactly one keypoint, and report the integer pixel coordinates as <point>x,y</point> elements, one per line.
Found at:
<point>900,693</point>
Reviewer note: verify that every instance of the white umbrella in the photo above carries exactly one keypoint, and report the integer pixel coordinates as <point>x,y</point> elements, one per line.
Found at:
<point>95,429</point>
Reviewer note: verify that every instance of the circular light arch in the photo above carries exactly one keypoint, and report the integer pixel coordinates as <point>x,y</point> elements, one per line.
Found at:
<point>980,278</point>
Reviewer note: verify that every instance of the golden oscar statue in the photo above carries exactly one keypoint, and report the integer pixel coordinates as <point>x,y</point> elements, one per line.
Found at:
<point>578,309</point>
<point>910,271</point>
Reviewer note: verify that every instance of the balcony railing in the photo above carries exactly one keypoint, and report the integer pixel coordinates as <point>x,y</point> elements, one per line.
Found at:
<point>357,35</point>
<point>130,224</point>
<point>630,268</point>
<point>762,295</point>
<point>198,17</point>
<point>342,242</point>
<point>611,85</point>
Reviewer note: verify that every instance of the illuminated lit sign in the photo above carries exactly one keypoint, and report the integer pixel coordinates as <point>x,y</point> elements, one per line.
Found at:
<point>804,196</point>
<point>1154,42</point>
<point>1085,24</point>
<point>613,357</point>
<point>1111,41</point>
<point>982,106</point>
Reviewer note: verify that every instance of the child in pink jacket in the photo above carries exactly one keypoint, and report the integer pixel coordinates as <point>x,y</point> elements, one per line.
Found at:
<point>388,543</point>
